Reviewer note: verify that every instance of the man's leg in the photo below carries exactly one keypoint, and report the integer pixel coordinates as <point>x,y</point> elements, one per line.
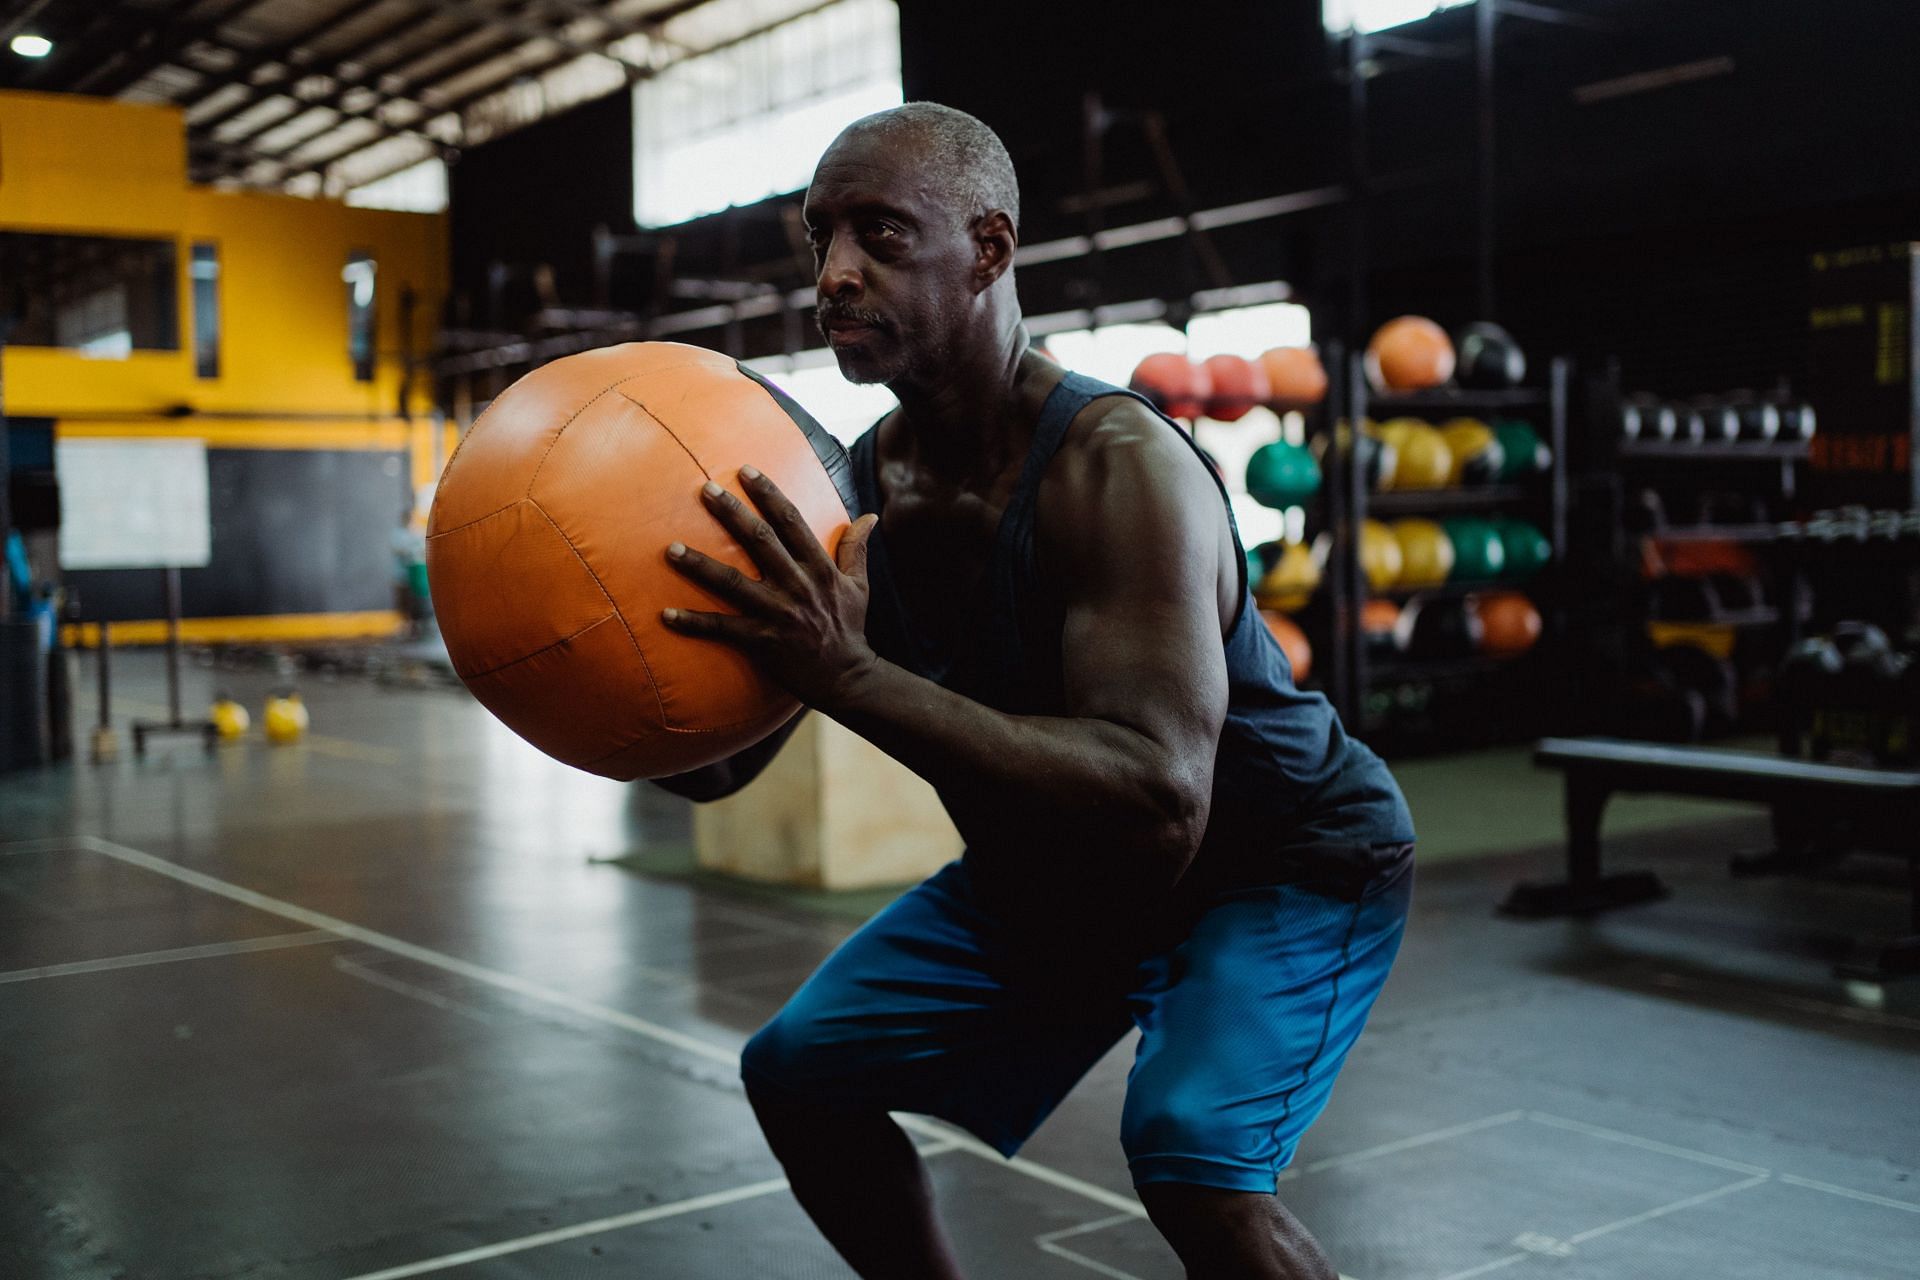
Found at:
<point>860,1180</point>
<point>919,1011</point>
<point>1244,1027</point>
<point>1234,1235</point>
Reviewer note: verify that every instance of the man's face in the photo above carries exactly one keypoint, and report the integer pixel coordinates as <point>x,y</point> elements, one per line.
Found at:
<point>892,267</point>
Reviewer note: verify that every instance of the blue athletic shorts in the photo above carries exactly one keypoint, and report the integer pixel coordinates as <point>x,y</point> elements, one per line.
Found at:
<point>1244,1022</point>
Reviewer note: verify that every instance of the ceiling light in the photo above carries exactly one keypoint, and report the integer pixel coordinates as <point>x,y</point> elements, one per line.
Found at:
<point>32,46</point>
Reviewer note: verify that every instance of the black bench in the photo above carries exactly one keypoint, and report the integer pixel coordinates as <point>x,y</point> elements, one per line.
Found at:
<point>1876,808</point>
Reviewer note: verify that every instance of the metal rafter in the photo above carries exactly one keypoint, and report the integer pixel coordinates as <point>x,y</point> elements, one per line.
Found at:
<point>274,53</point>
<point>161,44</point>
<point>372,83</point>
<point>320,164</point>
<point>334,67</point>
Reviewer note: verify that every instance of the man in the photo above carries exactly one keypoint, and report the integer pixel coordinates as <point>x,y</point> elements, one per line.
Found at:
<point>1044,613</point>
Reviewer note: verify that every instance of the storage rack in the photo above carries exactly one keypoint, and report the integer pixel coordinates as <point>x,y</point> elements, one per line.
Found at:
<point>1353,672</point>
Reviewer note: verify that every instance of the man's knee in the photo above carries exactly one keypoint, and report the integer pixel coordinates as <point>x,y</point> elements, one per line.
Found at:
<point>1177,1122</point>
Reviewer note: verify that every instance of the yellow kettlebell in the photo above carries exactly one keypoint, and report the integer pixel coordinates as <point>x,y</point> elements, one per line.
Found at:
<point>286,717</point>
<point>230,719</point>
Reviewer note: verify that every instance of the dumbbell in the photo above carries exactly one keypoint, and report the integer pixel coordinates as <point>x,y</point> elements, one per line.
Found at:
<point>1720,421</point>
<point>1797,421</point>
<point>1643,419</point>
<point>1758,420</point>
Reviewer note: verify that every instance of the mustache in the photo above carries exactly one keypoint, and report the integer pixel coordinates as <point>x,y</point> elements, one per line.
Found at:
<point>828,313</point>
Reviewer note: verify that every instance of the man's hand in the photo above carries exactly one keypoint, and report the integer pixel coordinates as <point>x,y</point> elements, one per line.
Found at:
<point>804,620</point>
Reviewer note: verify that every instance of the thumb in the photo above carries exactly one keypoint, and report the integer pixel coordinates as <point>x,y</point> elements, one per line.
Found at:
<point>852,552</point>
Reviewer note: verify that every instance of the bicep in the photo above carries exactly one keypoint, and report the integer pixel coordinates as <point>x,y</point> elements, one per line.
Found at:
<point>1140,557</point>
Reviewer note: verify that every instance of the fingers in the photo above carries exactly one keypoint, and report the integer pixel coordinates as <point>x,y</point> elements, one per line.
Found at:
<point>852,553</point>
<point>755,536</point>
<point>785,519</point>
<point>746,594</point>
<point>726,627</point>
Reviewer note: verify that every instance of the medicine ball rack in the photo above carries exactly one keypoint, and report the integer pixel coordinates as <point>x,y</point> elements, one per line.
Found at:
<point>1352,673</point>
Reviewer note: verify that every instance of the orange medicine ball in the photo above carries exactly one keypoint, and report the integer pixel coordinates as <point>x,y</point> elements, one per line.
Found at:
<point>1293,642</point>
<point>1410,353</point>
<point>1295,377</point>
<point>1235,385</point>
<point>547,552</point>
<point>1177,386</point>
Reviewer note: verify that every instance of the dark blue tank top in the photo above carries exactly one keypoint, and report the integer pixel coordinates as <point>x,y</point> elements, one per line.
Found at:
<point>1295,800</point>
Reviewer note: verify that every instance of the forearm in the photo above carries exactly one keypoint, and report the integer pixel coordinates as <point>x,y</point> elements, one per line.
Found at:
<point>1041,781</point>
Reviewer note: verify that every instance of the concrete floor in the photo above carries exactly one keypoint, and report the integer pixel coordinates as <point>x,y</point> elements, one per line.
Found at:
<point>378,1005</point>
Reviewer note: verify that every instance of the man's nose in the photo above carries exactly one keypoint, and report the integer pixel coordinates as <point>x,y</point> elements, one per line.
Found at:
<point>840,272</point>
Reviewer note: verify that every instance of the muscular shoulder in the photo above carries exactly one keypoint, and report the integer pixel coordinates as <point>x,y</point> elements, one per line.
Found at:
<point>1123,474</point>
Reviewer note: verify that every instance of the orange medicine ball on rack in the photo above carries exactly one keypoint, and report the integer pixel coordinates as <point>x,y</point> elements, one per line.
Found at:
<point>1235,385</point>
<point>546,552</point>
<point>1295,377</point>
<point>1410,353</point>
<point>1177,386</point>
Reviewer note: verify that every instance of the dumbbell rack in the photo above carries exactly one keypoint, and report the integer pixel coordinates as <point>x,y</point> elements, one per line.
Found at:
<point>1746,465</point>
<point>1353,673</point>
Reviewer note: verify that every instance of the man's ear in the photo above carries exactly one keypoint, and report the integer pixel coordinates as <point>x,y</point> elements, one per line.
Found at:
<point>994,242</point>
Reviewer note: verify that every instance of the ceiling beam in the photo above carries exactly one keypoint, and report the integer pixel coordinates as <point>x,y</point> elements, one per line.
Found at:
<point>161,43</point>
<point>383,38</point>
<point>273,53</point>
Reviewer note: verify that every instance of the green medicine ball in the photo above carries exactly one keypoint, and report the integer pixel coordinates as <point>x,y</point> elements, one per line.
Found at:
<point>1479,554</point>
<point>1282,475</point>
<point>1524,453</point>
<point>1527,549</point>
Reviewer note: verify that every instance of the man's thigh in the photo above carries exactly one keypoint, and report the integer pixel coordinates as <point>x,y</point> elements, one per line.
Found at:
<point>1244,1026</point>
<point>930,1008</point>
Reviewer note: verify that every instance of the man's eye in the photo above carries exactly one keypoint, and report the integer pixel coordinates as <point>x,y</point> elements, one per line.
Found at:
<point>880,231</point>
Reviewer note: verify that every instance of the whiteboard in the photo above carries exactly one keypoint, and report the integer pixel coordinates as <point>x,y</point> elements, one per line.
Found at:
<point>133,504</point>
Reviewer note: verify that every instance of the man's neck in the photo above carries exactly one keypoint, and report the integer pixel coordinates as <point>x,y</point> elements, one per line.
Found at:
<point>969,423</point>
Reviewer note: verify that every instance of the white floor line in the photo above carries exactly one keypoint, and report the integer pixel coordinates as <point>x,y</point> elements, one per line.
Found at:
<point>1098,1268</point>
<point>373,977</point>
<point>560,999</point>
<point>598,1226</point>
<point>1402,1144</point>
<point>1666,1209</point>
<point>1647,1144</point>
<point>1085,1228</point>
<point>1865,1197</point>
<point>1496,1265</point>
<point>49,844</point>
<point>172,955</point>
<point>422,955</point>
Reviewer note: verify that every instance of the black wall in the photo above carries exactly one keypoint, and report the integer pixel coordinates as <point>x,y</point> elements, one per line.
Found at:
<point>294,531</point>
<point>535,196</point>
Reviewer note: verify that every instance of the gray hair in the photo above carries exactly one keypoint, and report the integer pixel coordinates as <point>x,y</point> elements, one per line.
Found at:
<point>968,162</point>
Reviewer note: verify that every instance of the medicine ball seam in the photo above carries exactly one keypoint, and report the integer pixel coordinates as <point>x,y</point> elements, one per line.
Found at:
<point>534,479</point>
<point>639,652</point>
<point>447,471</point>
<point>691,456</point>
<point>545,648</point>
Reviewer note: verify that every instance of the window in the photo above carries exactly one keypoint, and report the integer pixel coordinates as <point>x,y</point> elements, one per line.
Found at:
<point>358,274</point>
<point>205,272</point>
<point>102,296</point>
<point>418,188</point>
<point>750,121</point>
<point>1377,15</point>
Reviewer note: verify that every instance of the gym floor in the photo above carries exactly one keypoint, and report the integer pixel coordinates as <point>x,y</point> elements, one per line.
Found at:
<point>397,1002</point>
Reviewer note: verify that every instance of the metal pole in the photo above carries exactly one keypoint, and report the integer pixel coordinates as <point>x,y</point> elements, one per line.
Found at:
<point>173,647</point>
<point>106,647</point>
<point>1357,213</point>
<point>1485,20</point>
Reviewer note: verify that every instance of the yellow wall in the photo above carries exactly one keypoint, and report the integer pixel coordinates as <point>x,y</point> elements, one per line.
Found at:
<point>87,166</point>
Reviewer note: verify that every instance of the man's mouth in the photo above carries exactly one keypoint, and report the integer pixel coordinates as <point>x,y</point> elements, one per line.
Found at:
<point>847,333</point>
<point>845,330</point>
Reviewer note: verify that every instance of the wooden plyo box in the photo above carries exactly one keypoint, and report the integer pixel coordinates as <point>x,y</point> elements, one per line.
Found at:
<point>832,811</point>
